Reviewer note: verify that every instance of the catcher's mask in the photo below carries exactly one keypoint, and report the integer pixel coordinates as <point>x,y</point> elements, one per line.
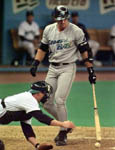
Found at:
<point>61,12</point>
<point>41,86</point>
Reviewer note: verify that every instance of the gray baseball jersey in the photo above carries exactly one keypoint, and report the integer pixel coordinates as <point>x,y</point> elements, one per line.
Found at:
<point>63,45</point>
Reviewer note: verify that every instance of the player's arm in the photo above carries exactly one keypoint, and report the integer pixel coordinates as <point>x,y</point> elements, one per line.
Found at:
<point>29,133</point>
<point>50,121</point>
<point>41,52</point>
<point>22,38</point>
<point>86,53</point>
<point>30,136</point>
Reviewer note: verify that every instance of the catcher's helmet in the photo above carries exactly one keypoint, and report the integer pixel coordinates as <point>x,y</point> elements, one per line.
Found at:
<point>41,86</point>
<point>2,147</point>
<point>61,12</point>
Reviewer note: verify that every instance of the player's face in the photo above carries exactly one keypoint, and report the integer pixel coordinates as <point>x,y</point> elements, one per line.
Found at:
<point>62,24</point>
<point>30,18</point>
<point>75,19</point>
<point>39,96</point>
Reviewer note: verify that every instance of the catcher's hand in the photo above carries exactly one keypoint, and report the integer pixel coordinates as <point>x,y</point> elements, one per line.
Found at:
<point>68,124</point>
<point>45,146</point>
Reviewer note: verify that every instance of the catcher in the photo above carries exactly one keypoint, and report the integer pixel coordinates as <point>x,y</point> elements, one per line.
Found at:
<point>23,106</point>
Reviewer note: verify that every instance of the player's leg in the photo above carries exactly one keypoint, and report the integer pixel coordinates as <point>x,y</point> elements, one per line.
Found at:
<point>95,47</point>
<point>65,81</point>
<point>30,48</point>
<point>50,106</point>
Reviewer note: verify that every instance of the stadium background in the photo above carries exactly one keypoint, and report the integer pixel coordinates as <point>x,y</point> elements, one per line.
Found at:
<point>97,14</point>
<point>94,14</point>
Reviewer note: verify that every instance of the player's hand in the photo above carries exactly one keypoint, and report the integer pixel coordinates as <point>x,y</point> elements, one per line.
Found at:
<point>33,70</point>
<point>92,76</point>
<point>44,146</point>
<point>68,124</point>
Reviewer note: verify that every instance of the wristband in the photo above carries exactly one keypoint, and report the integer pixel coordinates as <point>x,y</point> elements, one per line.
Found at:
<point>37,145</point>
<point>88,60</point>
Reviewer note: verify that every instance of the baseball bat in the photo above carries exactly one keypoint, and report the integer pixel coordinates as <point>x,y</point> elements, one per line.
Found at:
<point>96,115</point>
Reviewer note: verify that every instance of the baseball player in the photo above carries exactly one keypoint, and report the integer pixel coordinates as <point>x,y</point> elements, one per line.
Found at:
<point>23,106</point>
<point>62,40</point>
<point>29,34</point>
<point>112,38</point>
<point>94,45</point>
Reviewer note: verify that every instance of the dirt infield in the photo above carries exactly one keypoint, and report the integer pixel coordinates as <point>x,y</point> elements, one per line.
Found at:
<point>82,138</point>
<point>26,77</point>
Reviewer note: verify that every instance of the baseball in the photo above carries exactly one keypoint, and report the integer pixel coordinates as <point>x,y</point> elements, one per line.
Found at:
<point>97,144</point>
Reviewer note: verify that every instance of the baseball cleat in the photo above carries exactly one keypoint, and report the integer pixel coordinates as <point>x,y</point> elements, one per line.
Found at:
<point>61,138</point>
<point>69,130</point>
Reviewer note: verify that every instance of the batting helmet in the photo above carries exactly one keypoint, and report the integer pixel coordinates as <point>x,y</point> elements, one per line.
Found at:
<point>41,86</point>
<point>61,12</point>
<point>2,147</point>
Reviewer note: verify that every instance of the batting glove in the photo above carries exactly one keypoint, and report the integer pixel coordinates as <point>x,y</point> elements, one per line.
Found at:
<point>92,76</point>
<point>44,146</point>
<point>33,69</point>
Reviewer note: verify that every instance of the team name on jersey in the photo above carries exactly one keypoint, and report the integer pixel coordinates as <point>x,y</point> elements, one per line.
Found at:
<point>61,44</point>
<point>29,32</point>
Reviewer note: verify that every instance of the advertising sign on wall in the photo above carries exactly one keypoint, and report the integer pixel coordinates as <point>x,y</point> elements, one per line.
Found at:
<point>107,6</point>
<point>19,5</point>
<point>72,4</point>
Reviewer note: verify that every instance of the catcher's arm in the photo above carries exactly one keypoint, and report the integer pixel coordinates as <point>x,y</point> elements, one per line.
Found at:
<point>29,133</point>
<point>30,136</point>
<point>40,116</point>
<point>65,124</point>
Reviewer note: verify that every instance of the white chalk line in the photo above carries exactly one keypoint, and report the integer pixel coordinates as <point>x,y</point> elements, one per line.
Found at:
<point>93,138</point>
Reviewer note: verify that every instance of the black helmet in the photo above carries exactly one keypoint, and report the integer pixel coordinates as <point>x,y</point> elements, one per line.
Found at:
<point>61,12</point>
<point>41,86</point>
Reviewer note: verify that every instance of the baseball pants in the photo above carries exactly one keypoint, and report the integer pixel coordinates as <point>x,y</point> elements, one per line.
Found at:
<point>61,79</point>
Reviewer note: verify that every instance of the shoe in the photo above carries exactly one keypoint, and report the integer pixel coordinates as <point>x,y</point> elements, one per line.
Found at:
<point>61,138</point>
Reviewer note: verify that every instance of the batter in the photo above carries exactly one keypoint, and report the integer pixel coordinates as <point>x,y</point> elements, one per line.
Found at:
<point>62,40</point>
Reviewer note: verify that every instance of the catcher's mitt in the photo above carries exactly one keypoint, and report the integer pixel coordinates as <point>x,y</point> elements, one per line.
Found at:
<point>2,147</point>
<point>45,146</point>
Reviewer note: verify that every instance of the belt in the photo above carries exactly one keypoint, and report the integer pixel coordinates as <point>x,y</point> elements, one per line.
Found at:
<point>3,103</point>
<point>59,64</point>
